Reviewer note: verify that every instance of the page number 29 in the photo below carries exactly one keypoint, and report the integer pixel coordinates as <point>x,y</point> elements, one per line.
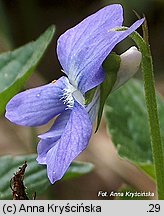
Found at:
<point>154,208</point>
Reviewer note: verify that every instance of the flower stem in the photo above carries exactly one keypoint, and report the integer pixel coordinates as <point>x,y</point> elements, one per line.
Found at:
<point>151,103</point>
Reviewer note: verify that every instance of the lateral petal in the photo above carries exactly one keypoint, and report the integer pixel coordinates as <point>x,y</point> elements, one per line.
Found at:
<point>37,106</point>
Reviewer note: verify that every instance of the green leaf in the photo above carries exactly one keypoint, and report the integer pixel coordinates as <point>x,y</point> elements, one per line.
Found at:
<point>35,175</point>
<point>89,95</point>
<point>78,169</point>
<point>111,66</point>
<point>18,65</point>
<point>127,122</point>
<point>35,178</point>
<point>148,168</point>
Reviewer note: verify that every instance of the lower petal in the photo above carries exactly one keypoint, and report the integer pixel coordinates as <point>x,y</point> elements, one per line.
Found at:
<point>58,127</point>
<point>73,141</point>
<point>50,138</point>
<point>43,147</point>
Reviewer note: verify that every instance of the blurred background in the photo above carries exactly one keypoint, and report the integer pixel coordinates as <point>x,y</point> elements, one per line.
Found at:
<point>23,21</point>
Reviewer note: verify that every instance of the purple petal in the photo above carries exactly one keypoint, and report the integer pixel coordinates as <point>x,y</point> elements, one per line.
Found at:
<point>82,49</point>
<point>43,147</point>
<point>37,106</point>
<point>49,139</point>
<point>58,127</point>
<point>73,141</point>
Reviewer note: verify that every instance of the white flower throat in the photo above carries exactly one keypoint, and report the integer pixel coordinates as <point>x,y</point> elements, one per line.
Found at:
<point>70,94</point>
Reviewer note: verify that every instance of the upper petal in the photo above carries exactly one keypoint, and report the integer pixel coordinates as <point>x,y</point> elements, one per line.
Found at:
<point>78,43</point>
<point>37,106</point>
<point>73,141</point>
<point>82,49</point>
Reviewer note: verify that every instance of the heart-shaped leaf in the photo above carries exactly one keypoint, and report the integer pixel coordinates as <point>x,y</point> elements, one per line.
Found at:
<point>127,122</point>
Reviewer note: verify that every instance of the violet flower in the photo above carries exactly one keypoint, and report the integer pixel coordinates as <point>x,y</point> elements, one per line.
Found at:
<point>81,51</point>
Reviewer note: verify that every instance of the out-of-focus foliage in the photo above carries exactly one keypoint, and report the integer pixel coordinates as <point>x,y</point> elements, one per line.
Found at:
<point>127,122</point>
<point>35,178</point>
<point>17,66</point>
<point>78,169</point>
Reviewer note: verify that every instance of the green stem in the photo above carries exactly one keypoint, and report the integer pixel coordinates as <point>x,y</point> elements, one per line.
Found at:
<point>151,102</point>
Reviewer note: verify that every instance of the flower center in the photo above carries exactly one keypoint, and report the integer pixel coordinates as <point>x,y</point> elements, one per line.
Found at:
<point>70,95</point>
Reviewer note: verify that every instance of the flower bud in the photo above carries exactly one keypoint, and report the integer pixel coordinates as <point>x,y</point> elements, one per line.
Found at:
<point>129,65</point>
